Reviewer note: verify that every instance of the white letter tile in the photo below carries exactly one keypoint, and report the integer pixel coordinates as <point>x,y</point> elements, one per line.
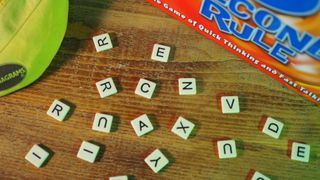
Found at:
<point>230,104</point>
<point>227,149</point>
<point>102,42</point>
<point>37,156</point>
<point>58,110</point>
<point>160,53</point>
<point>272,128</point>
<point>258,176</point>
<point>119,178</point>
<point>88,152</point>
<point>187,86</point>
<point>183,128</point>
<point>102,122</point>
<point>145,88</point>
<point>142,125</point>
<point>300,152</point>
<point>156,160</point>
<point>106,87</point>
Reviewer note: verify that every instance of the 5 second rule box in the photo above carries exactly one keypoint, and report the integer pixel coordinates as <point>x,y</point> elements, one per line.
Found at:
<point>280,38</point>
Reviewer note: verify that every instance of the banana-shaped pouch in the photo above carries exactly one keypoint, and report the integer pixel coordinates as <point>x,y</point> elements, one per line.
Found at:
<point>31,32</point>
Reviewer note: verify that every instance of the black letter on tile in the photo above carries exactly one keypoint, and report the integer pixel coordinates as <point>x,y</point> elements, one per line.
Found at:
<point>57,108</point>
<point>107,85</point>
<point>105,122</point>
<point>183,127</point>
<point>158,52</point>
<point>275,129</point>
<point>141,124</point>
<point>230,105</point>
<point>143,90</point>
<point>101,42</point>
<point>224,148</point>
<point>155,160</point>
<point>36,155</point>
<point>301,150</point>
<point>186,87</point>
<point>88,151</point>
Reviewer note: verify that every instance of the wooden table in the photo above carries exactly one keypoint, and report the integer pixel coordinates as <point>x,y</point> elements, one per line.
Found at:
<point>138,25</point>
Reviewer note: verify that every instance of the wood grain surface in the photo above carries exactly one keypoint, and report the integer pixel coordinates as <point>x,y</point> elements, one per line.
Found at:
<point>137,26</point>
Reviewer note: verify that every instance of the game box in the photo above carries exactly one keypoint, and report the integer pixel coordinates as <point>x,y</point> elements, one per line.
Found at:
<point>280,38</point>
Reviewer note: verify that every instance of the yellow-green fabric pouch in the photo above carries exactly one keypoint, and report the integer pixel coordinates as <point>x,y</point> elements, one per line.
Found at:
<point>31,32</point>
